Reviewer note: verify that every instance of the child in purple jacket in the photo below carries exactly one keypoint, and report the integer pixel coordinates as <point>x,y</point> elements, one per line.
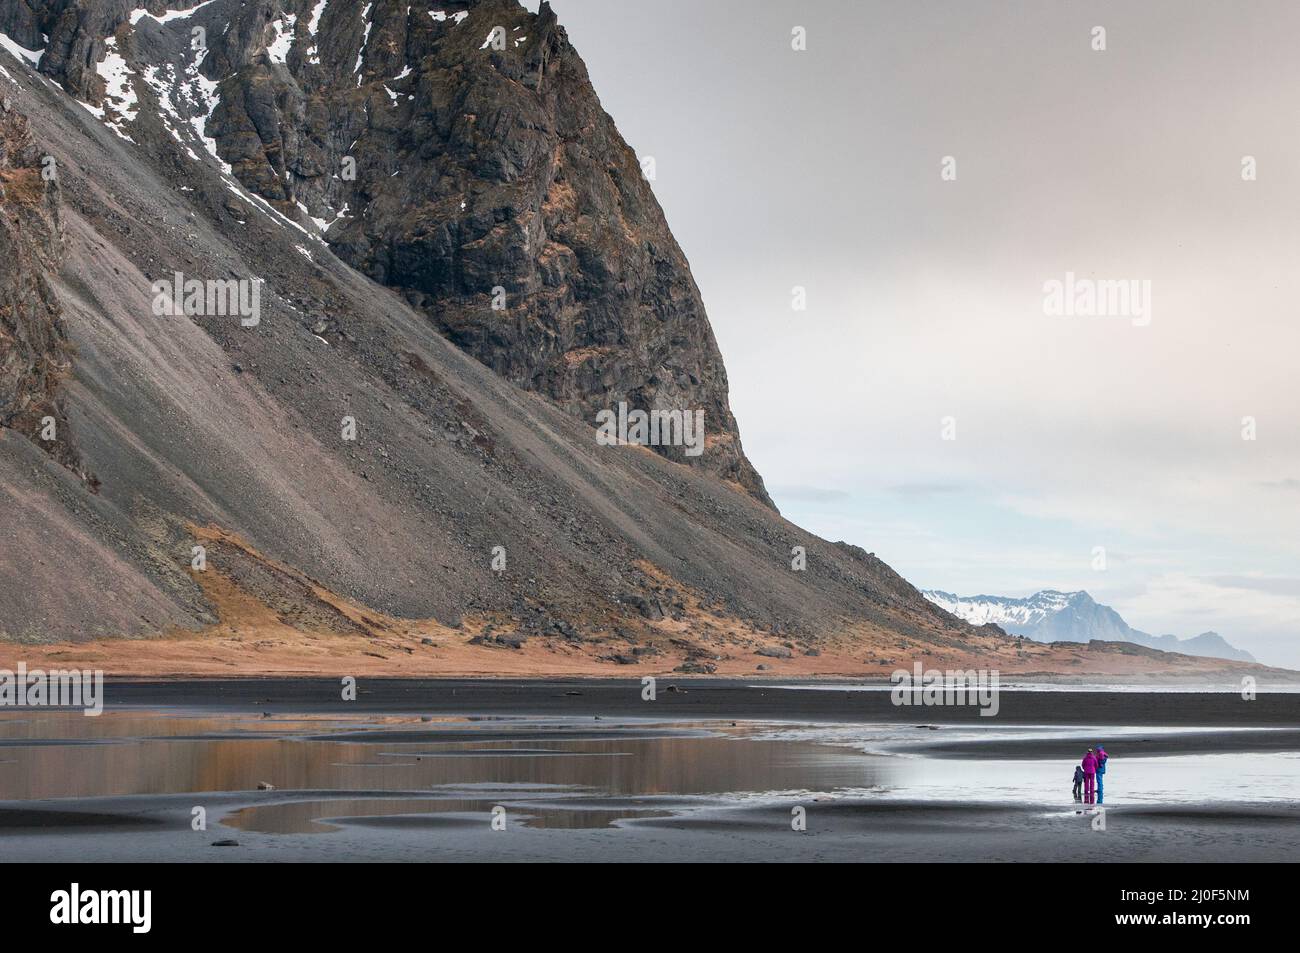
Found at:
<point>1089,777</point>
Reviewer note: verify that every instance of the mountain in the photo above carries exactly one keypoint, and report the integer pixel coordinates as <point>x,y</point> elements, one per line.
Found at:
<point>350,463</point>
<point>1052,616</point>
<point>456,174</point>
<point>307,309</point>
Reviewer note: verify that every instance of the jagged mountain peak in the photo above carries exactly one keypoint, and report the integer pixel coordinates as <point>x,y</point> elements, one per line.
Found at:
<point>1051,615</point>
<point>453,151</point>
<point>983,609</point>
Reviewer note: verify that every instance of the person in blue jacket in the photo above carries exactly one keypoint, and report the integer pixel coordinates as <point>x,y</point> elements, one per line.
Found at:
<point>1101,770</point>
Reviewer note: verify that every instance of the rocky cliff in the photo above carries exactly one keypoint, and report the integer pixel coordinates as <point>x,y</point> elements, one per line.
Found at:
<point>455,152</point>
<point>35,355</point>
<point>365,463</point>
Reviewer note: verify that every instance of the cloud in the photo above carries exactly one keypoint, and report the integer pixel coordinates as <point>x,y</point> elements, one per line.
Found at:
<point>1290,484</point>
<point>924,297</point>
<point>1274,585</point>
<point>1265,623</point>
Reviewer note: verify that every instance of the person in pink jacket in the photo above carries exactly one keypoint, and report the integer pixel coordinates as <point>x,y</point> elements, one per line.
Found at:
<point>1089,776</point>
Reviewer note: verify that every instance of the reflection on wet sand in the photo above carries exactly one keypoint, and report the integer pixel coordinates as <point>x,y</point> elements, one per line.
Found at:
<point>145,753</point>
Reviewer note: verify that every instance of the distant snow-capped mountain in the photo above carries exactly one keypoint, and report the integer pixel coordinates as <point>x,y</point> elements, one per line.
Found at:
<point>1052,616</point>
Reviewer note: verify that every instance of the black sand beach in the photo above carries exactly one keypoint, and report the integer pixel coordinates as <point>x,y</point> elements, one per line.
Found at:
<point>157,830</point>
<point>709,698</point>
<point>585,770</point>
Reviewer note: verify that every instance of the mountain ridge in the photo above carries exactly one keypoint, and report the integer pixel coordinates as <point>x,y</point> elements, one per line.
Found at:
<point>197,424</point>
<point>1052,615</point>
<point>347,476</point>
<point>486,186</point>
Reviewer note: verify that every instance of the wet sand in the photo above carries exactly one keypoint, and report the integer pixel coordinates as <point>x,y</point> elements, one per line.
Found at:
<point>705,698</point>
<point>586,771</point>
<point>157,829</point>
<point>1156,745</point>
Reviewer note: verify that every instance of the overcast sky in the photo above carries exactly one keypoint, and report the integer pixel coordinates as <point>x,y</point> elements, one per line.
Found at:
<point>925,297</point>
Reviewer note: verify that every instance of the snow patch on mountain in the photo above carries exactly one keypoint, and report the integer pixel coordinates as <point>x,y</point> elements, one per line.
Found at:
<point>205,98</point>
<point>365,38</point>
<point>21,52</point>
<point>168,16</point>
<point>981,610</point>
<point>1054,616</point>
<point>313,54</point>
<point>120,100</point>
<point>278,50</point>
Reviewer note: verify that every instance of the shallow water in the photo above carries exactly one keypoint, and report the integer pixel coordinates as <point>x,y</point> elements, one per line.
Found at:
<point>567,773</point>
<point>1190,778</point>
<point>53,755</point>
<point>1011,683</point>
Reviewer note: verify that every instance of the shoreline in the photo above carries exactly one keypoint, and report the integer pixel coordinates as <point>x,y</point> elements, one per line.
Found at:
<point>156,829</point>
<point>701,698</point>
<point>585,770</point>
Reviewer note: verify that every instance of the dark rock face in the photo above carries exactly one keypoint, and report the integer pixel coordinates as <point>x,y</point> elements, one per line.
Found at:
<point>35,355</point>
<point>483,169</point>
<point>475,168</point>
<point>76,29</point>
<point>487,186</point>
